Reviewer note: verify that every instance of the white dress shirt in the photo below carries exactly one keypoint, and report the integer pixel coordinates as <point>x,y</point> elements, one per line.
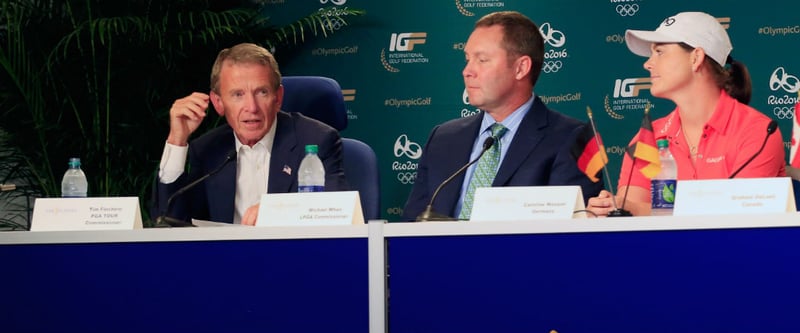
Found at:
<point>252,170</point>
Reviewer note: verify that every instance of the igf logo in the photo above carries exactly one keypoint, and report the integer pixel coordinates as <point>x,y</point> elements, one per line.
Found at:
<point>405,41</point>
<point>630,87</point>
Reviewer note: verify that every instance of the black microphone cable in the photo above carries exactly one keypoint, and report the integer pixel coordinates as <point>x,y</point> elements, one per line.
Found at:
<point>773,125</point>
<point>428,214</point>
<point>165,221</point>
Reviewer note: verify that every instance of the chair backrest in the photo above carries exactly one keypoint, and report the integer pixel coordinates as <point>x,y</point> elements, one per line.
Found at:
<point>321,98</point>
<point>316,97</point>
<point>361,170</point>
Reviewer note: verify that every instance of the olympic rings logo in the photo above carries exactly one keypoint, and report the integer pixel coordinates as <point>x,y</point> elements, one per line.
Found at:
<point>335,24</point>
<point>783,112</point>
<point>406,178</point>
<point>551,66</point>
<point>404,146</point>
<point>781,80</point>
<point>627,9</point>
<point>552,36</point>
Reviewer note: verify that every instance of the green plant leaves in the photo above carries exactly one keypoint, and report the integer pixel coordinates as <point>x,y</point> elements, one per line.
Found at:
<point>95,79</point>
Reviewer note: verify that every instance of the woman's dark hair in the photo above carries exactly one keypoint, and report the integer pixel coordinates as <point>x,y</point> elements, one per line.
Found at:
<point>733,77</point>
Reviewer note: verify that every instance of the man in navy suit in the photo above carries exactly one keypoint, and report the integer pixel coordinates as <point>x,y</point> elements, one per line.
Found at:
<point>504,56</point>
<point>259,149</point>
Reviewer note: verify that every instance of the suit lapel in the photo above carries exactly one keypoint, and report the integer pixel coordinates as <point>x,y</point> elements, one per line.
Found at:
<point>458,154</point>
<point>282,172</point>
<point>227,189</point>
<point>530,133</point>
<point>221,188</point>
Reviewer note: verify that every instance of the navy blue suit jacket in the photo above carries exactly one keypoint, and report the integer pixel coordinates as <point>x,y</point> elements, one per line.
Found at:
<point>213,199</point>
<point>539,154</point>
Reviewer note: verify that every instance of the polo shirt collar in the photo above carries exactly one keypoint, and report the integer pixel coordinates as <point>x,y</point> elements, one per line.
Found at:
<point>722,115</point>
<point>719,119</point>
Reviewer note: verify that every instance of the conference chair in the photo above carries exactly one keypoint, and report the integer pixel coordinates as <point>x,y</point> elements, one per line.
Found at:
<point>316,97</point>
<point>361,170</point>
<point>321,98</point>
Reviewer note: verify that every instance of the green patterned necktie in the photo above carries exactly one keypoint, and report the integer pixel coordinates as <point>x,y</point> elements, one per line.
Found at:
<point>484,171</point>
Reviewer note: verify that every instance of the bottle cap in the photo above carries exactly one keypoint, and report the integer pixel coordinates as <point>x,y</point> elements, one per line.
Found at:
<point>312,149</point>
<point>74,162</point>
<point>662,143</point>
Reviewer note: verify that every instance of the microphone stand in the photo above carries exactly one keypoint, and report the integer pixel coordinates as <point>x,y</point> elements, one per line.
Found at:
<point>164,221</point>
<point>620,212</point>
<point>428,214</point>
<point>617,212</point>
<point>771,127</point>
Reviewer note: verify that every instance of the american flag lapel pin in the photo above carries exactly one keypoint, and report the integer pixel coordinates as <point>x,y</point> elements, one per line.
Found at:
<point>287,170</point>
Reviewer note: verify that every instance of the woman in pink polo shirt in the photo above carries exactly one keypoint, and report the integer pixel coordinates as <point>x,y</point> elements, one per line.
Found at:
<point>712,132</point>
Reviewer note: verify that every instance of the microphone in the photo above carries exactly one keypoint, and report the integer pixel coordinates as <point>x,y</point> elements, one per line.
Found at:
<point>428,214</point>
<point>773,125</point>
<point>165,221</point>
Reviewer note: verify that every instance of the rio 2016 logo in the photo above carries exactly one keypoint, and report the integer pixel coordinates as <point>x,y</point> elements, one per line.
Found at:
<point>783,84</point>
<point>404,146</point>
<point>406,171</point>
<point>556,39</point>
<point>782,80</point>
<point>466,112</point>
<point>626,8</point>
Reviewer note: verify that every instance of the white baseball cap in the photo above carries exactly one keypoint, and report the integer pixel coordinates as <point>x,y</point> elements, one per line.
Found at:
<point>696,29</point>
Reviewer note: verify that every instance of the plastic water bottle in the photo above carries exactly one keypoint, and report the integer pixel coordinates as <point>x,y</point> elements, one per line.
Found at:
<point>74,184</point>
<point>662,186</point>
<point>311,176</point>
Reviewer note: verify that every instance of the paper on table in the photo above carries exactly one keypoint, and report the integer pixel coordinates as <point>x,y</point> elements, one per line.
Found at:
<point>204,223</point>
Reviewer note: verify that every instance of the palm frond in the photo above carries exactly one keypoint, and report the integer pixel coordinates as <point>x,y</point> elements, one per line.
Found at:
<point>82,78</point>
<point>325,21</point>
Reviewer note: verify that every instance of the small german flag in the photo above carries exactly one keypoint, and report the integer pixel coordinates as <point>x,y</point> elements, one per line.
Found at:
<point>643,150</point>
<point>590,153</point>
